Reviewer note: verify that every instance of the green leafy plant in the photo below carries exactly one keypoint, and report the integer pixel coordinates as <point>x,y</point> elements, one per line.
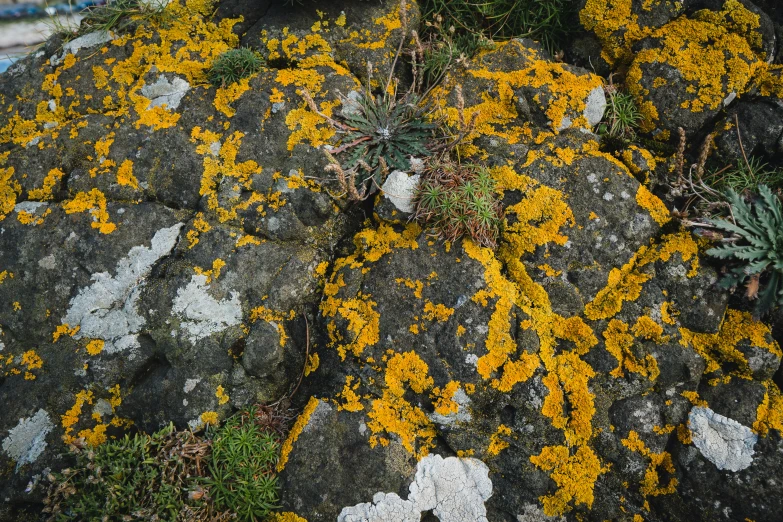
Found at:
<point>137,477</point>
<point>746,175</point>
<point>454,200</point>
<point>242,475</point>
<point>756,247</point>
<point>233,65</point>
<point>621,117</point>
<point>543,20</point>
<point>380,131</point>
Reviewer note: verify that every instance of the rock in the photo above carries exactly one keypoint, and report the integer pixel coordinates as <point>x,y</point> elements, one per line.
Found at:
<point>759,123</point>
<point>685,72</point>
<point>164,238</point>
<point>357,33</point>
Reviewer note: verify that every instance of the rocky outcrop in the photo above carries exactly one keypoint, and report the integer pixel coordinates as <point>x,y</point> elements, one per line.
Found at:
<point>172,251</point>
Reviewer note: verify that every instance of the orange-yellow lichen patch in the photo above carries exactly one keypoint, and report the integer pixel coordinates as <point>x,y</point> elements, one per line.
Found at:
<point>574,473</point>
<point>416,286</point>
<point>652,204</point>
<point>567,380</point>
<point>444,403</point>
<point>95,346</point>
<point>31,361</point>
<point>225,166</point>
<point>71,417</point>
<point>93,202</point>
<point>620,343</point>
<point>45,192</point>
<point>9,190</point>
<point>363,323</point>
<point>247,239</point>
<point>437,312</point>
<point>209,418</point>
<point>651,483</point>
<point>312,364</point>
<point>287,516</point>
<point>769,414</point>
<point>228,94</point>
<point>64,329</point>
<point>393,414</point>
<point>221,395</point>
<point>296,430</point>
<point>721,348</point>
<point>568,91</point>
<point>625,283</point>
<point>275,318</point>
<point>351,401</point>
<point>496,443</point>
<point>125,175</point>
<point>200,226</point>
<point>693,397</point>
<point>711,60</point>
<point>214,272</point>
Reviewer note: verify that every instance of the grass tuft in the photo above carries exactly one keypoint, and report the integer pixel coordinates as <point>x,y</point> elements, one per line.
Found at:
<point>545,21</point>
<point>621,117</point>
<point>233,65</point>
<point>746,176</point>
<point>116,15</point>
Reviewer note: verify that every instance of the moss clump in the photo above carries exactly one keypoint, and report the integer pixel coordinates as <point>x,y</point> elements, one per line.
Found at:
<point>226,474</point>
<point>233,65</point>
<point>142,476</point>
<point>242,476</point>
<point>456,200</point>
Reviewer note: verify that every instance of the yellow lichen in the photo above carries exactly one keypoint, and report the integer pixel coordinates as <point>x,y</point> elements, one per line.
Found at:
<point>296,430</point>
<point>574,473</point>
<point>496,444</point>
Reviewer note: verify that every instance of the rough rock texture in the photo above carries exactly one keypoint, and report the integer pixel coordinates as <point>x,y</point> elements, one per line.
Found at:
<point>686,61</point>
<point>166,247</point>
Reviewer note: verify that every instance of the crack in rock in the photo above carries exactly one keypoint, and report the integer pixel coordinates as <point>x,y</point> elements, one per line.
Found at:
<point>723,441</point>
<point>27,440</point>
<point>107,308</point>
<point>454,489</point>
<point>204,314</point>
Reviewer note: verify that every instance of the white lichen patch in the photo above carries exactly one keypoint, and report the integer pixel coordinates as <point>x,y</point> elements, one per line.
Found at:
<point>723,441</point>
<point>165,93</point>
<point>31,207</point>
<point>204,315</point>
<point>400,188</point>
<point>453,489</point>
<point>107,308</point>
<point>83,42</point>
<point>190,384</point>
<point>27,440</point>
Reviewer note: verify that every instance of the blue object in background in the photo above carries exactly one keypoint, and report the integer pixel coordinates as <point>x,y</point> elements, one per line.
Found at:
<point>5,63</point>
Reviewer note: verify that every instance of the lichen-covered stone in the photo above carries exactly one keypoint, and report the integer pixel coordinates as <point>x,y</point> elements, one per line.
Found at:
<point>164,238</point>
